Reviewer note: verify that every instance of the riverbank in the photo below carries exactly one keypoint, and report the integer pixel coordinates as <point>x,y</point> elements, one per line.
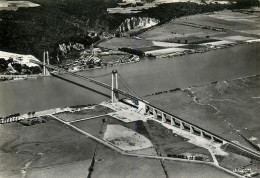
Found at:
<point>52,150</point>
<point>144,77</point>
<point>142,138</point>
<point>206,48</point>
<point>226,108</point>
<point>198,33</point>
<point>165,49</point>
<point>221,102</point>
<point>8,78</point>
<point>11,78</point>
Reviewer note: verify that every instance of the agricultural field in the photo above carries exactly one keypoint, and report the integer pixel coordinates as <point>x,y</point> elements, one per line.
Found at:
<point>116,43</point>
<point>116,165</point>
<point>234,21</point>
<point>234,160</point>
<point>126,139</point>
<point>173,31</point>
<point>175,169</point>
<point>235,24</point>
<point>207,31</point>
<point>169,144</point>
<point>94,126</point>
<point>228,108</point>
<point>53,150</point>
<point>43,149</point>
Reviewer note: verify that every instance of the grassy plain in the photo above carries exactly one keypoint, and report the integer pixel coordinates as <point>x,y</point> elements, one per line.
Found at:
<point>220,28</point>
<point>184,170</point>
<point>223,107</point>
<point>234,23</point>
<point>42,150</point>
<point>117,166</point>
<point>168,143</point>
<point>229,109</point>
<point>116,43</point>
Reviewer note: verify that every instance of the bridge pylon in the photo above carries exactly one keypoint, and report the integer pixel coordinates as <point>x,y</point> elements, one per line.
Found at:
<point>114,94</point>
<point>46,60</point>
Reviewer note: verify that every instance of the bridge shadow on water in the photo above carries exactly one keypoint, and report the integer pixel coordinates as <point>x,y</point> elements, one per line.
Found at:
<point>80,85</point>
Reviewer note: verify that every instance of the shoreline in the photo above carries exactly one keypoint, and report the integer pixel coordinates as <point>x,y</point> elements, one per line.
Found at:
<point>195,86</point>
<point>52,112</point>
<point>204,50</point>
<point>145,96</point>
<point>40,75</point>
<point>169,56</point>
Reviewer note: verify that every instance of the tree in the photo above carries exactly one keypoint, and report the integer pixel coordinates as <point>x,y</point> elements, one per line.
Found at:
<point>203,1</point>
<point>29,114</point>
<point>91,66</point>
<point>17,67</point>
<point>3,64</point>
<point>35,70</point>
<point>245,3</point>
<point>10,60</point>
<point>33,113</point>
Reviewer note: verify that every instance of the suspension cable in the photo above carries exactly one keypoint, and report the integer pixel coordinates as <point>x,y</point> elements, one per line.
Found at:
<point>96,76</point>
<point>100,75</point>
<point>125,86</point>
<point>129,86</point>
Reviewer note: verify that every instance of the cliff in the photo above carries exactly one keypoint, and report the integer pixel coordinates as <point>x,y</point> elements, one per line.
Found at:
<point>137,22</point>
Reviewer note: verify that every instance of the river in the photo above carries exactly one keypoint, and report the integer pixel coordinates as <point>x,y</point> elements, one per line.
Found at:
<point>145,77</point>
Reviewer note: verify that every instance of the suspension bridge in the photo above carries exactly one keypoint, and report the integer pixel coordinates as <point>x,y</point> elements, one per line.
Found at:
<point>147,108</point>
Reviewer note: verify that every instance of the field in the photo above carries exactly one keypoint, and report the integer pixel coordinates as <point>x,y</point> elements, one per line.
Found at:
<point>126,139</point>
<point>168,143</point>
<point>93,126</point>
<point>223,108</point>
<point>53,150</point>
<point>233,161</point>
<point>234,23</point>
<point>229,109</point>
<point>42,150</point>
<point>117,166</point>
<point>217,29</point>
<point>116,43</point>
<point>172,31</point>
<point>193,170</point>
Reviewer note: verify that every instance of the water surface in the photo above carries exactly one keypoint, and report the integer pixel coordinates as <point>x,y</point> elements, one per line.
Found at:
<point>146,77</point>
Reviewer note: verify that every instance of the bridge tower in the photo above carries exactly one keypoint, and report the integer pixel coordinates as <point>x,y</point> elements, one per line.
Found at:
<point>46,60</point>
<point>114,94</point>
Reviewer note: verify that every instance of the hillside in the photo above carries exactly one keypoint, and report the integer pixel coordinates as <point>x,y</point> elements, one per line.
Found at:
<point>31,30</point>
<point>54,22</point>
